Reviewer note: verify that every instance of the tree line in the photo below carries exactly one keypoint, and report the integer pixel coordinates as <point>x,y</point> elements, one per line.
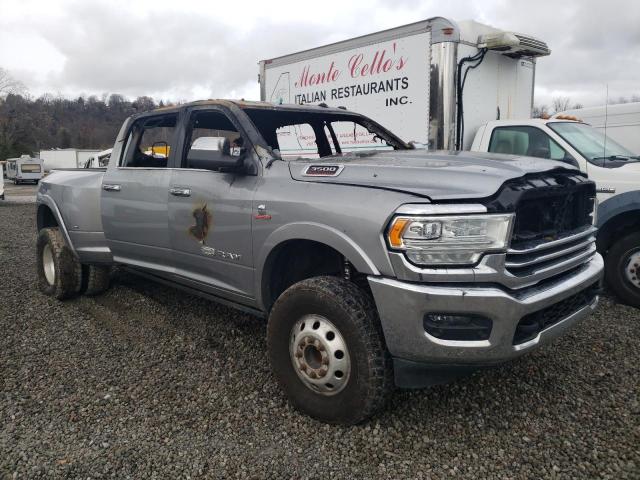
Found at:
<point>29,125</point>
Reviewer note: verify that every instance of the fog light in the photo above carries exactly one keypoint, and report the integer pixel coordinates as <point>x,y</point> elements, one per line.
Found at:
<point>452,326</point>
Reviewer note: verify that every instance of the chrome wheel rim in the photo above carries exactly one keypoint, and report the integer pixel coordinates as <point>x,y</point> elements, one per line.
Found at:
<point>632,269</point>
<point>48,264</point>
<point>319,355</point>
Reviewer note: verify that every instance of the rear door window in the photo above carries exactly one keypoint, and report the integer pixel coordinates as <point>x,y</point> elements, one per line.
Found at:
<point>149,142</point>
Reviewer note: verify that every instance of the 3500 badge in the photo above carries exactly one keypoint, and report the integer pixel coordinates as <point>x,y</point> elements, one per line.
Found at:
<point>322,170</point>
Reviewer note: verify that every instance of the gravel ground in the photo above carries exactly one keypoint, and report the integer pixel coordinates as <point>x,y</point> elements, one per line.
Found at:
<point>24,193</point>
<point>147,382</point>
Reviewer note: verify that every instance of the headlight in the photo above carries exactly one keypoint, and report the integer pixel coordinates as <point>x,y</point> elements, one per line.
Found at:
<point>449,240</point>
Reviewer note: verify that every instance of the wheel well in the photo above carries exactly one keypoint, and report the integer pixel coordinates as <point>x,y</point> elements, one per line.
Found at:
<point>45,218</point>
<point>296,260</point>
<point>617,227</point>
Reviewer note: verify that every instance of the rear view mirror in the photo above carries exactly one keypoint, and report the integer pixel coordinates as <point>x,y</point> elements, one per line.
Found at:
<point>212,153</point>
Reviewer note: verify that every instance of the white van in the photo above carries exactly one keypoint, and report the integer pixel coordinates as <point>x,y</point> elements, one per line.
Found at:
<point>619,122</point>
<point>24,169</point>
<point>614,167</point>
<point>98,160</point>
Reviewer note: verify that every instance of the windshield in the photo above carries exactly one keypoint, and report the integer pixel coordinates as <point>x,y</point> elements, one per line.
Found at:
<point>315,134</point>
<point>30,168</point>
<point>591,143</point>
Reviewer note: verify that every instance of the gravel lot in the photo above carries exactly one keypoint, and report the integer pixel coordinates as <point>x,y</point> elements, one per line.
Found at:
<point>147,382</point>
<point>23,193</point>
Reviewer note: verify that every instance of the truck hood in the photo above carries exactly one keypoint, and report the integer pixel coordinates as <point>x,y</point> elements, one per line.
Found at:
<point>434,175</point>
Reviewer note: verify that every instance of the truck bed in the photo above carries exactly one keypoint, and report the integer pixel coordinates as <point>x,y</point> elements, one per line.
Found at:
<point>76,192</point>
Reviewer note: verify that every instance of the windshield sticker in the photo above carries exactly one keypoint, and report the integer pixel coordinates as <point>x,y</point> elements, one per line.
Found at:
<point>323,170</point>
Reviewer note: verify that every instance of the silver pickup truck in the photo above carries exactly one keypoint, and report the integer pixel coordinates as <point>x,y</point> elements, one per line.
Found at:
<point>373,267</point>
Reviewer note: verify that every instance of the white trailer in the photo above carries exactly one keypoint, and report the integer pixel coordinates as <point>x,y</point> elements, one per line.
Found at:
<point>66,158</point>
<point>619,122</point>
<point>24,169</point>
<point>433,82</point>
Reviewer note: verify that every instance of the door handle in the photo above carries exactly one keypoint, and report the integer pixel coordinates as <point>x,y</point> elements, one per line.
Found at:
<point>111,187</point>
<point>180,191</point>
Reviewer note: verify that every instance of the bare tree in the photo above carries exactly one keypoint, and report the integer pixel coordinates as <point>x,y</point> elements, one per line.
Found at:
<point>8,84</point>
<point>540,111</point>
<point>560,104</point>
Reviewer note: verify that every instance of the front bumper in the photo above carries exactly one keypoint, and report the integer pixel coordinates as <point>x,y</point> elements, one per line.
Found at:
<point>402,307</point>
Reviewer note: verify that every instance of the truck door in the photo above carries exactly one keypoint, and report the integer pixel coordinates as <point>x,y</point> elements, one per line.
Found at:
<point>210,212</point>
<point>135,194</point>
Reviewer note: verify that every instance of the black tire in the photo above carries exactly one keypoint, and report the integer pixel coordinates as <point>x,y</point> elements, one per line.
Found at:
<point>67,275</point>
<point>616,262</point>
<point>353,313</point>
<point>95,279</point>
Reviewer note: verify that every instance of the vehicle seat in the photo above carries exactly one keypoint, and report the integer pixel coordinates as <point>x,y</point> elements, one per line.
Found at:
<point>504,146</point>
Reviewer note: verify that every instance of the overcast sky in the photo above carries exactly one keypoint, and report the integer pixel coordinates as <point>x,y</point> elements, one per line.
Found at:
<point>191,49</point>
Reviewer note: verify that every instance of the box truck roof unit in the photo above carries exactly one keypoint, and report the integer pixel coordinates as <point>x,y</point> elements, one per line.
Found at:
<point>432,82</point>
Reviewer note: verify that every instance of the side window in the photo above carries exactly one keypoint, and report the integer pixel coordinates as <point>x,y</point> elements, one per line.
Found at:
<point>557,152</point>
<point>529,141</point>
<point>212,131</point>
<point>149,142</point>
<point>296,141</point>
<point>512,141</point>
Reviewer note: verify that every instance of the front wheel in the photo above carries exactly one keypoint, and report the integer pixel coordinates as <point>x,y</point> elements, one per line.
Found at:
<point>327,350</point>
<point>622,269</point>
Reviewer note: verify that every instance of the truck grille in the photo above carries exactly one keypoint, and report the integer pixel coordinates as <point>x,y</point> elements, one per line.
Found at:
<point>531,325</point>
<point>553,224</point>
<point>541,255</point>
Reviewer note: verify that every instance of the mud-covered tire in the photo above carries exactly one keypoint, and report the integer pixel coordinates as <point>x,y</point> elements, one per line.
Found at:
<point>95,279</point>
<point>617,268</point>
<point>65,274</point>
<point>353,313</point>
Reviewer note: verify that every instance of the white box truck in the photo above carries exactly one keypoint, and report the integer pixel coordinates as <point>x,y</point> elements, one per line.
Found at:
<point>66,158</point>
<point>433,82</point>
